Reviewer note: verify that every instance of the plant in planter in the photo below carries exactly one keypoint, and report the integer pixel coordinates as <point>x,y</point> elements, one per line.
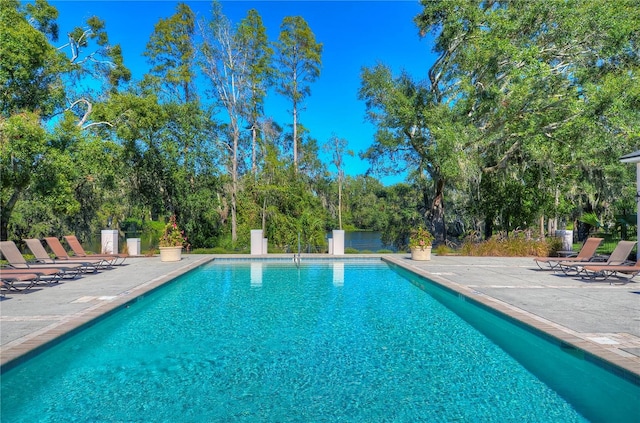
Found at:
<point>172,241</point>
<point>420,242</point>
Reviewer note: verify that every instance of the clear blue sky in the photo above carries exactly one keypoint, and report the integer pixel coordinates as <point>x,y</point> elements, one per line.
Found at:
<point>355,34</point>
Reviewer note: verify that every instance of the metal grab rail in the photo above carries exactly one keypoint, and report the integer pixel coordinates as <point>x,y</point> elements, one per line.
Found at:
<point>296,259</point>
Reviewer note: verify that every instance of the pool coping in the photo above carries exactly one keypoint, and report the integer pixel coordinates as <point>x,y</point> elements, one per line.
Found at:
<point>626,367</point>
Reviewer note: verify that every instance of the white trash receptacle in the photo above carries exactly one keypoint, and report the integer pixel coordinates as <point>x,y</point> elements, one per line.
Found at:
<point>567,239</point>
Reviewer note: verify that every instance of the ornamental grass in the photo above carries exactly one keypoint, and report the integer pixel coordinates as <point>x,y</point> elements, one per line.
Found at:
<point>515,244</point>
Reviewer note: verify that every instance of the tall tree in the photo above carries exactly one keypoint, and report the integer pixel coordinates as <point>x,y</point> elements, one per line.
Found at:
<point>415,133</point>
<point>338,148</point>
<point>171,52</point>
<point>252,36</point>
<point>224,61</point>
<point>298,59</point>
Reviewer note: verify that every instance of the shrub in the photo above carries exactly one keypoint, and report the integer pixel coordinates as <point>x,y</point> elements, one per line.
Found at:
<point>516,244</point>
<point>443,250</point>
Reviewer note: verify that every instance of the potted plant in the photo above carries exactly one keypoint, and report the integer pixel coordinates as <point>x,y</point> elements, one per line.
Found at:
<point>172,241</point>
<point>420,242</point>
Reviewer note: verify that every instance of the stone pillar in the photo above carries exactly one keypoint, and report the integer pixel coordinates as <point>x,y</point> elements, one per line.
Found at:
<point>256,242</point>
<point>133,245</point>
<point>265,245</point>
<point>338,242</point>
<point>330,245</point>
<point>109,242</point>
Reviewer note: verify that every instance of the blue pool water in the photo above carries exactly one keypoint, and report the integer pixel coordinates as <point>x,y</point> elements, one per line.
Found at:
<point>328,342</point>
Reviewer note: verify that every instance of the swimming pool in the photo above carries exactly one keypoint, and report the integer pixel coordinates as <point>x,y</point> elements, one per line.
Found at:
<point>265,341</point>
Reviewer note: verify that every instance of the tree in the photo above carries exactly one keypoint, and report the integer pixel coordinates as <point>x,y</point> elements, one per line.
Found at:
<point>30,69</point>
<point>22,143</point>
<point>338,148</point>
<point>185,152</point>
<point>415,132</point>
<point>171,52</point>
<point>224,61</point>
<point>298,60</point>
<point>36,80</point>
<point>533,79</point>
<point>252,36</point>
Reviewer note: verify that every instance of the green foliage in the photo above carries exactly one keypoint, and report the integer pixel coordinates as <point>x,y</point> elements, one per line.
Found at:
<point>590,219</point>
<point>298,62</point>
<point>420,238</point>
<point>298,58</point>
<point>443,250</point>
<point>172,235</point>
<point>545,97</point>
<point>31,68</point>
<point>172,53</point>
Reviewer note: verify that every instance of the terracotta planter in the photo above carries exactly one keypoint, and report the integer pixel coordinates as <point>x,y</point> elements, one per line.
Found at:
<point>421,254</point>
<point>170,253</point>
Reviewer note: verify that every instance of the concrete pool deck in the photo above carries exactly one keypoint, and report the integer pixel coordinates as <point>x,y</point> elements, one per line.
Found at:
<point>596,317</point>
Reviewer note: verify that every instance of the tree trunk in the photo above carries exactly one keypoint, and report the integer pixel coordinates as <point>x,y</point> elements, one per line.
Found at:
<point>295,137</point>
<point>488,227</point>
<point>264,214</point>
<point>254,140</point>
<point>340,203</point>
<point>5,214</point>
<point>436,213</point>
<point>234,188</point>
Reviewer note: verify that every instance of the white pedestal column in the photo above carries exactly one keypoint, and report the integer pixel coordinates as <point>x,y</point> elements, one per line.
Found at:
<point>338,242</point>
<point>133,246</point>
<point>265,245</point>
<point>109,242</point>
<point>256,242</point>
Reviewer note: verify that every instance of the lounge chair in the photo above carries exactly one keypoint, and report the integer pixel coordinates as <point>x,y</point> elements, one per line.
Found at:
<point>604,272</point>
<point>8,278</point>
<point>619,256</point>
<point>115,258</point>
<point>586,253</point>
<point>61,254</point>
<point>42,256</point>
<point>54,272</point>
